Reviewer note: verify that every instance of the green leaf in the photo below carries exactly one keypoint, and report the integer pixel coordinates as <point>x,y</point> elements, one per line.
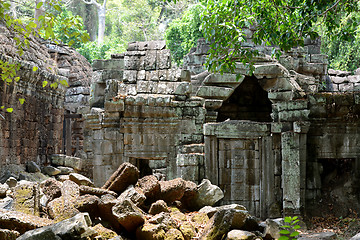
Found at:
<point>21,100</point>
<point>44,83</point>
<point>35,68</point>
<point>283,238</point>
<point>17,79</point>
<point>64,83</point>
<point>54,85</point>
<point>39,5</point>
<point>57,8</point>
<point>284,232</point>
<point>296,227</point>
<point>294,234</point>
<point>9,110</point>
<point>2,107</point>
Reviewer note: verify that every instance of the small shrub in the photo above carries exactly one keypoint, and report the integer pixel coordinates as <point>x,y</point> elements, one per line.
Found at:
<point>289,229</point>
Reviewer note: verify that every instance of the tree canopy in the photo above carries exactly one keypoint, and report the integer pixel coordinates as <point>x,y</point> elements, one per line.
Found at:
<point>284,23</point>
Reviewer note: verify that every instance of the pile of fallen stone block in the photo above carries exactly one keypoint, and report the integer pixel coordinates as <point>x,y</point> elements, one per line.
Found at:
<point>126,207</point>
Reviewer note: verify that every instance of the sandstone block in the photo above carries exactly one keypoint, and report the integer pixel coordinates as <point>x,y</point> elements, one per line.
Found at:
<point>20,221</point>
<point>50,170</point>
<point>208,194</point>
<point>27,198</point>
<point>134,194</point>
<point>221,93</point>
<point>95,191</point>
<point>87,203</point>
<point>80,179</point>
<point>150,186</point>
<point>158,207</point>
<point>172,190</point>
<point>128,215</point>
<point>240,235</point>
<point>77,227</point>
<point>7,234</point>
<point>51,188</point>
<point>32,167</point>
<point>124,176</point>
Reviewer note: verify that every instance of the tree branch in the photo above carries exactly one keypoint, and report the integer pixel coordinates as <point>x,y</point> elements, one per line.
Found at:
<point>90,2</point>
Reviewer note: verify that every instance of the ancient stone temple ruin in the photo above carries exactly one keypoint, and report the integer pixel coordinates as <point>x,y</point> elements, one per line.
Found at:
<point>274,140</point>
<point>281,139</point>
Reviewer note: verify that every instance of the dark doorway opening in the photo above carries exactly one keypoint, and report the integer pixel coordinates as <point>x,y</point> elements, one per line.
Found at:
<point>248,102</point>
<point>339,188</point>
<point>143,166</point>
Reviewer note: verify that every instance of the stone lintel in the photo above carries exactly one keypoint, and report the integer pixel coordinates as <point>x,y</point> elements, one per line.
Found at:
<point>237,129</point>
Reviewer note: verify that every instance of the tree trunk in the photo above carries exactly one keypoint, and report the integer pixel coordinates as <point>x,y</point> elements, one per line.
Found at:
<point>101,17</point>
<point>39,11</point>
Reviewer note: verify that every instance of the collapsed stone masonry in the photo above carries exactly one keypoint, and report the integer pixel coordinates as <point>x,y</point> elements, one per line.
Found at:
<point>275,141</point>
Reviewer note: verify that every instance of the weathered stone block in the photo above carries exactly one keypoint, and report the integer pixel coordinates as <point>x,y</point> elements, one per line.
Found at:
<point>130,76</point>
<point>116,106</point>
<point>294,115</point>
<point>163,59</point>
<point>150,60</point>
<point>115,64</point>
<point>226,78</point>
<point>214,92</point>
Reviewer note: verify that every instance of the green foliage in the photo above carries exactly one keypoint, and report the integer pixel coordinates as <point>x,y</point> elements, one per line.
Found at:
<point>342,45</point>
<point>182,34</point>
<point>282,23</point>
<point>289,229</point>
<point>44,26</point>
<point>69,29</point>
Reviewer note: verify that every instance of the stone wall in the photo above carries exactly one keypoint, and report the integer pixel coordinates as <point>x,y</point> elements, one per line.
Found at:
<point>333,156</point>
<point>33,131</point>
<point>78,71</point>
<point>143,113</point>
<point>266,138</point>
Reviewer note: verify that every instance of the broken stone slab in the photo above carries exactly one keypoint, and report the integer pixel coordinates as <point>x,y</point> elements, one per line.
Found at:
<point>320,236</point>
<point>128,215</point>
<point>95,191</point>
<point>88,203</point>
<point>104,232</point>
<point>156,227</point>
<point>6,203</point>
<point>77,227</point>
<point>214,92</point>
<point>134,194</point>
<point>150,186</point>
<point>222,222</point>
<point>208,194</point>
<point>213,104</point>
<point>51,188</point>
<point>11,182</point>
<point>224,79</point>
<point>6,234</point>
<point>20,221</point>
<point>67,161</point>
<point>158,207</point>
<point>60,209</point>
<point>27,198</point>
<point>65,170</point>
<point>357,236</point>
<point>106,203</point>
<point>3,189</point>
<point>240,235</point>
<point>172,190</point>
<point>80,179</point>
<point>270,71</point>
<point>50,170</point>
<point>127,174</point>
<point>32,167</point>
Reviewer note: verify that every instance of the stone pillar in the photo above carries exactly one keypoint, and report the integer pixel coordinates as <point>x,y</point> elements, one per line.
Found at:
<point>293,145</point>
